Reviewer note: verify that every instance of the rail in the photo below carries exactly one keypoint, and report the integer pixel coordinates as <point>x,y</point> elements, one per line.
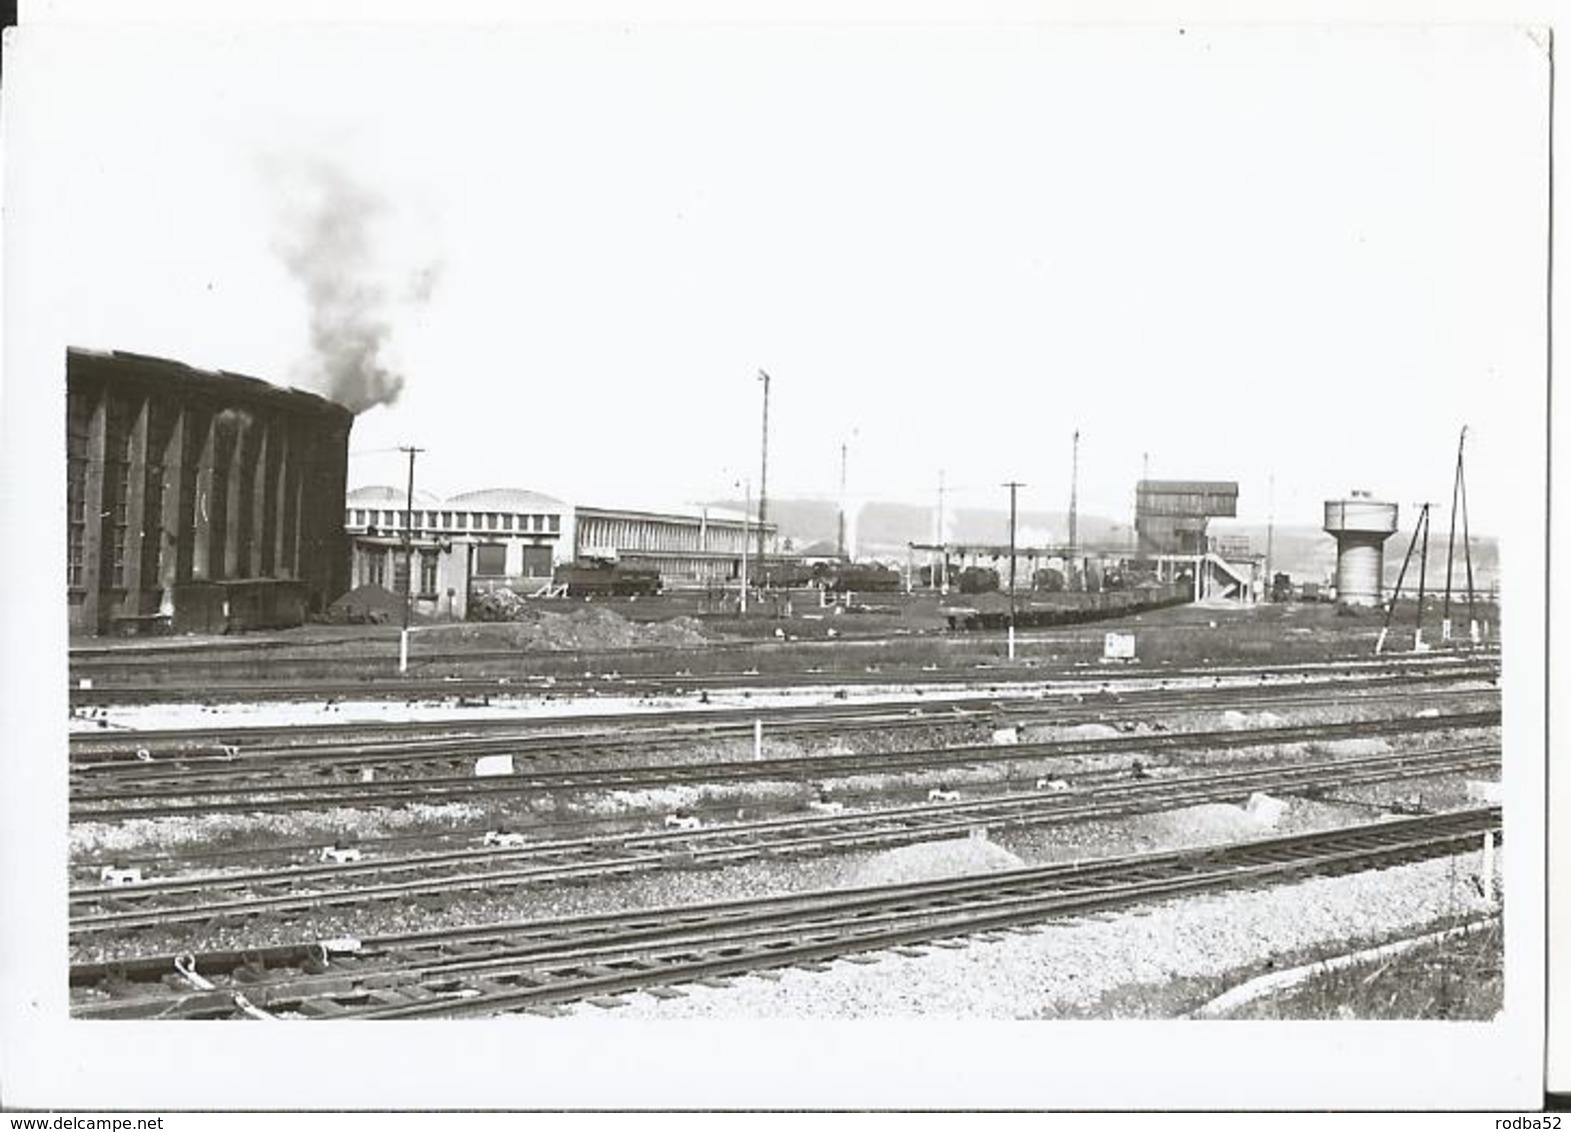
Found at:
<point>539,965</point>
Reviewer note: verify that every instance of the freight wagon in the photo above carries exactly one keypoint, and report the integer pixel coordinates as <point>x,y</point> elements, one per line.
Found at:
<point>1087,607</point>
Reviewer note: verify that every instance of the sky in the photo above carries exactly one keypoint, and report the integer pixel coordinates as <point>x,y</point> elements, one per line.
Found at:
<point>1296,257</point>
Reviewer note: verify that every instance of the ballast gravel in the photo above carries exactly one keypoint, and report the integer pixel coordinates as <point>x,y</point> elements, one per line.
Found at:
<point>1067,968</point>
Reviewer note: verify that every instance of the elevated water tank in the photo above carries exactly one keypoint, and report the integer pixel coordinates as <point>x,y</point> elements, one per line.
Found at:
<point>1360,525</point>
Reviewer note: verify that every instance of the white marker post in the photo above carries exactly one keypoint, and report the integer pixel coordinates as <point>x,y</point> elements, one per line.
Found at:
<point>1118,646</point>
<point>403,652</point>
<point>1011,640</point>
<point>758,739</point>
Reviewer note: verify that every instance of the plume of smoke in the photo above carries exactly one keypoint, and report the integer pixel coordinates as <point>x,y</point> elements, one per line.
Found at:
<point>325,237</point>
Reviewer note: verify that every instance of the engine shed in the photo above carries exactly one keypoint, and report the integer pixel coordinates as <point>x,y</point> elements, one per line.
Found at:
<point>198,500</point>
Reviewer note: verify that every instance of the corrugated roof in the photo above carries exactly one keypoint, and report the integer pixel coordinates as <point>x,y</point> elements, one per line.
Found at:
<point>381,495</point>
<point>686,512</point>
<point>505,499</point>
<point>486,499</point>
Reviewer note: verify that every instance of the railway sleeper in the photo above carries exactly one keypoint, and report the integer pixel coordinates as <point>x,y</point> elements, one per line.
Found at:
<point>300,990</point>
<point>193,1004</point>
<point>318,1008</point>
<point>534,979</point>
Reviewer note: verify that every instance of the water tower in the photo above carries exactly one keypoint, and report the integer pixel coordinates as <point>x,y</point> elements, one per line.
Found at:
<point>1360,525</point>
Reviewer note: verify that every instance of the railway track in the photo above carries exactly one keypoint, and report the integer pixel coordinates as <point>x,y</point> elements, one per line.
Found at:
<point>199,791</point>
<point>96,750</point>
<point>249,790</point>
<point>212,690</point>
<point>230,757</point>
<point>542,964</point>
<point>1106,796</point>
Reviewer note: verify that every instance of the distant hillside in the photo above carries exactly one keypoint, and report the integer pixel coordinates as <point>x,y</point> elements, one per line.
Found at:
<point>884,530</point>
<point>1309,554</point>
<point>802,521</point>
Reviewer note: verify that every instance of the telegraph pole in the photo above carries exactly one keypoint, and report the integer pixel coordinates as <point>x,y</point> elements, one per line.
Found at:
<point>409,508</point>
<point>1456,488</point>
<point>1467,554</point>
<point>1145,475</point>
<point>1013,486</point>
<point>1074,493</point>
<point>1421,527</point>
<point>763,475</point>
<point>1270,534</point>
<point>1423,570</point>
<point>938,536</point>
<point>747,506</point>
<point>840,538</point>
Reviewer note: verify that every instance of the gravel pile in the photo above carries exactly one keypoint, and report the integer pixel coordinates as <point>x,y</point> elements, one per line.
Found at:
<point>1347,748</point>
<point>205,831</point>
<point>1242,720</point>
<point>933,860</point>
<point>1081,731</point>
<point>667,799</point>
<point>1210,824</point>
<point>1066,969</point>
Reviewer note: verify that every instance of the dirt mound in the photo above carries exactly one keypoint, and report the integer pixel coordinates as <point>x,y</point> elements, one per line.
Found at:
<point>498,605</point>
<point>371,605</point>
<point>517,623</point>
<point>934,860</point>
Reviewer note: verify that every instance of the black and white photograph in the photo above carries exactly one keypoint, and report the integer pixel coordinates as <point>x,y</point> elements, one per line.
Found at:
<point>818,561</point>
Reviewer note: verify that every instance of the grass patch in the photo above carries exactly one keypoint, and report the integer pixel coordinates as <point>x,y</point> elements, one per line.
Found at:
<point>1460,979</point>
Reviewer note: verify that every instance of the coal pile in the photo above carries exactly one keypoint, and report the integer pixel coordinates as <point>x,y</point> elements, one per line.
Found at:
<point>371,605</point>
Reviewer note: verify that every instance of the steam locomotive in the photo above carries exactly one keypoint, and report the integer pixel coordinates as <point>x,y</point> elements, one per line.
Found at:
<point>595,578</point>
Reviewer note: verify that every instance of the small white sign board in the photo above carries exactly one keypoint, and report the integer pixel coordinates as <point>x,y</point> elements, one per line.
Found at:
<point>1119,646</point>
